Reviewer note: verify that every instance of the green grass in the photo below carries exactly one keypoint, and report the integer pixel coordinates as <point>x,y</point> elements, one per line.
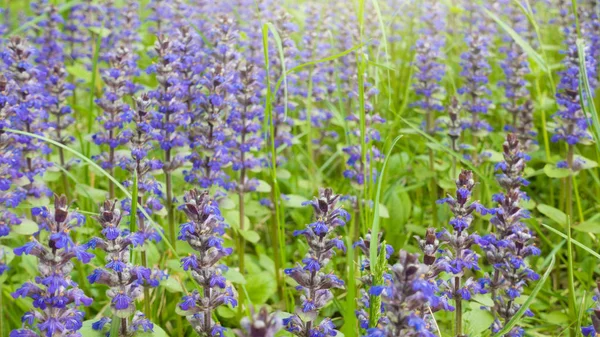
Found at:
<point>408,185</point>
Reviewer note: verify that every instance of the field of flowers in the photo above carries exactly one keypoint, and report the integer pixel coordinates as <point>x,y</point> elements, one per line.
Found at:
<point>313,168</point>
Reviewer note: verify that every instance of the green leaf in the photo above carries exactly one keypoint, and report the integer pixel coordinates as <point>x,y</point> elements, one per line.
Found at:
<point>103,32</point>
<point>478,321</point>
<point>87,331</point>
<point>94,194</point>
<point>294,201</point>
<point>261,287</point>
<point>27,227</point>
<point>80,72</point>
<point>225,312</point>
<point>263,187</point>
<point>553,213</point>
<point>172,285</point>
<point>383,211</point>
<point>234,276</point>
<point>283,174</point>
<point>157,332</point>
<point>575,242</point>
<point>250,235</point>
<point>554,172</point>
<point>591,225</point>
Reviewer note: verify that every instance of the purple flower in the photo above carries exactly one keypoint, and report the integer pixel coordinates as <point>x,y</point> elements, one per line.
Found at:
<point>55,297</point>
<point>125,280</point>
<point>507,249</point>
<point>203,233</point>
<point>311,278</point>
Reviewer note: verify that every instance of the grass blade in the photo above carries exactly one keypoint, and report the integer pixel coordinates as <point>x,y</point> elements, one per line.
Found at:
<point>104,173</point>
<point>519,40</point>
<point>378,262</point>
<point>584,85</point>
<point>575,242</point>
<point>513,321</point>
<point>39,18</point>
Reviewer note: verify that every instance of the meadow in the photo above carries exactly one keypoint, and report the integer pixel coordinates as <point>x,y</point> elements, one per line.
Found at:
<point>261,168</point>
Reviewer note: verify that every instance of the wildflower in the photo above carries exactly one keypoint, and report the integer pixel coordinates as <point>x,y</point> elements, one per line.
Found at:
<point>475,71</point>
<point>124,279</point>
<point>56,298</point>
<point>208,130</point>
<point>260,324</point>
<point>508,248</point>
<point>428,62</point>
<point>312,280</point>
<point>204,226</point>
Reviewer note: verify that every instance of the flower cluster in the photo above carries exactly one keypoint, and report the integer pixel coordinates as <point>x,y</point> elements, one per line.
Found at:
<point>244,121</point>
<point>408,295</point>
<point>10,165</point>
<point>56,297</point>
<point>260,324</point>
<point>593,329</point>
<point>516,67</point>
<point>372,280</point>
<point>475,71</point>
<point>508,248</point>
<point>313,281</point>
<point>208,133</point>
<point>457,256</point>
<point>125,280</point>
<point>571,119</point>
<point>428,61</point>
<point>139,165</point>
<point>282,121</point>
<point>24,103</point>
<point>116,113</point>
<point>357,170</point>
<point>204,233</point>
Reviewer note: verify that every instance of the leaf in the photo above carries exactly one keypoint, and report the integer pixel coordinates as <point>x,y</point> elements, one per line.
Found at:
<point>294,201</point>
<point>553,213</point>
<point>249,235</point>
<point>283,174</point>
<point>554,172</point>
<point>519,40</point>
<point>80,72</point>
<point>263,187</point>
<point>591,225</point>
<point>383,211</point>
<point>27,227</point>
<point>157,332</point>
<point>226,203</point>
<point>575,242</point>
<point>103,32</point>
<point>478,321</point>
<point>513,321</point>
<point>94,194</point>
<point>172,285</point>
<point>87,331</point>
<point>261,287</point>
<point>225,312</point>
<point>234,276</point>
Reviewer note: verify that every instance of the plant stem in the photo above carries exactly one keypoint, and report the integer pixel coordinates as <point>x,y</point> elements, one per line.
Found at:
<point>569,211</point>
<point>458,315</point>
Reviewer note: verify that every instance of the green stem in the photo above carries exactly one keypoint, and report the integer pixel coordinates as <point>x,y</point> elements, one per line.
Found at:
<point>569,212</point>
<point>458,315</point>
